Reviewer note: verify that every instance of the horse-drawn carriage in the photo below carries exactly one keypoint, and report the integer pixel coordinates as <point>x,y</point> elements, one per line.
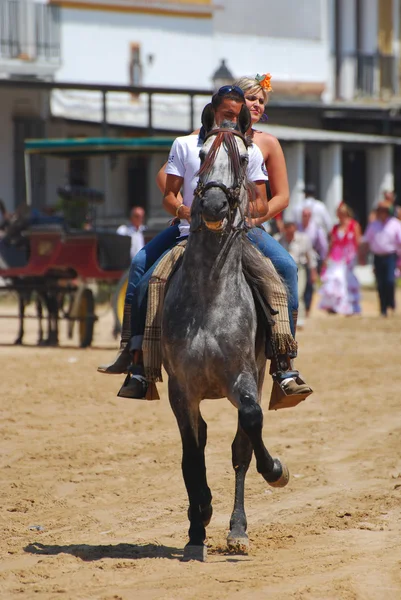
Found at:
<point>54,260</point>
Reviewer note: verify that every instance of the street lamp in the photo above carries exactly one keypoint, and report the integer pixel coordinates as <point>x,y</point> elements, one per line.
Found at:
<point>222,76</point>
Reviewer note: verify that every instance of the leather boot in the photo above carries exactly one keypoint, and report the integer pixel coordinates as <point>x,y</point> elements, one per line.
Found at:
<point>288,377</point>
<point>123,359</point>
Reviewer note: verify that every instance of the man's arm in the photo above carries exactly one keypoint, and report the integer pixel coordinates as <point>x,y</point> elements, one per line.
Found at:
<point>172,199</point>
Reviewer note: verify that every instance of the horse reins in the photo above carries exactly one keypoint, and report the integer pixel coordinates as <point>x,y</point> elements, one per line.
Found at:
<point>232,193</point>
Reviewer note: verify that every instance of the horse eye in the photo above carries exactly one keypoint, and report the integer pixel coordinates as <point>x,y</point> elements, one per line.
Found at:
<point>202,155</point>
<point>244,159</point>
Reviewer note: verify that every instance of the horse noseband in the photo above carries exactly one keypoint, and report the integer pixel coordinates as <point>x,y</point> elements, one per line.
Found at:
<point>232,194</point>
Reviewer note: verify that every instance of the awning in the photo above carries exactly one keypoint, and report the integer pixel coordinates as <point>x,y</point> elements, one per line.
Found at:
<point>97,146</point>
<point>303,134</point>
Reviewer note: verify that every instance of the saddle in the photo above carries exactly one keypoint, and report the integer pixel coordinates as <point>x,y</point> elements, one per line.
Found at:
<point>276,322</point>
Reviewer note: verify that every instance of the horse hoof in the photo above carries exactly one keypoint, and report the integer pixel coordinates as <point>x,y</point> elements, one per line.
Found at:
<point>192,552</point>
<point>238,544</point>
<point>284,477</point>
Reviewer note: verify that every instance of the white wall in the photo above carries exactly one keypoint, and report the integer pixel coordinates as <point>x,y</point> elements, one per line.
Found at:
<point>186,52</point>
<point>96,48</point>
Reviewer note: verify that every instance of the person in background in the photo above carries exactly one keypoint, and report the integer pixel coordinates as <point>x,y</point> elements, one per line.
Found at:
<point>340,289</point>
<point>320,245</point>
<point>390,197</point>
<point>320,214</point>
<point>4,216</point>
<point>383,238</point>
<point>299,246</point>
<point>135,229</point>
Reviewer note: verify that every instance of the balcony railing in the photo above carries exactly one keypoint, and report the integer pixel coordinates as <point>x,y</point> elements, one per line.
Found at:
<point>29,31</point>
<point>367,76</point>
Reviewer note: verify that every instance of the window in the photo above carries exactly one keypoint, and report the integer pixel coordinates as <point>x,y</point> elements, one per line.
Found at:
<point>135,66</point>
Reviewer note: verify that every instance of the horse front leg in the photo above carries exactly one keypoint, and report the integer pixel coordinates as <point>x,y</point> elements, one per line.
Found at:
<point>193,436</point>
<point>251,420</point>
<point>237,539</point>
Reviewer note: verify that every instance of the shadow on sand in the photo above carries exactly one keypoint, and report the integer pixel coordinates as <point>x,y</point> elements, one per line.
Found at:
<point>89,553</point>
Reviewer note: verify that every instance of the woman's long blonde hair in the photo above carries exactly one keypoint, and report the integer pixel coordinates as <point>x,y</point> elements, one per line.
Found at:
<point>250,84</point>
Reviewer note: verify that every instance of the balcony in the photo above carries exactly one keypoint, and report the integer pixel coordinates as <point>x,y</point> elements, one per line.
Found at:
<point>29,39</point>
<point>367,76</point>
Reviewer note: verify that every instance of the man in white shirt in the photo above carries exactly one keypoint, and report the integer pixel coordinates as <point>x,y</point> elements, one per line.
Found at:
<point>320,214</point>
<point>135,229</point>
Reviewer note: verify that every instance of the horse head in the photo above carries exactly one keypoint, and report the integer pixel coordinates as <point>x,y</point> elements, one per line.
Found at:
<point>221,198</point>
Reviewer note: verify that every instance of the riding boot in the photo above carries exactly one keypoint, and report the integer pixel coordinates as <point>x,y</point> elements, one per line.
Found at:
<point>135,385</point>
<point>123,359</point>
<point>287,377</point>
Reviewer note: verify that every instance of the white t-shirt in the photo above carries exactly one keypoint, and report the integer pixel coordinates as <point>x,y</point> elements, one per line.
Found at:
<point>184,162</point>
<point>320,214</point>
<point>137,239</point>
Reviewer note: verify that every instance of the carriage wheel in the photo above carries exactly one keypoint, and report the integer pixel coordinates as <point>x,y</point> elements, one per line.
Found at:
<point>119,299</point>
<point>86,315</point>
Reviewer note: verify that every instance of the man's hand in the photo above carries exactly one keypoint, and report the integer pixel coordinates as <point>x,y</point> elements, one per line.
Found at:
<point>184,212</point>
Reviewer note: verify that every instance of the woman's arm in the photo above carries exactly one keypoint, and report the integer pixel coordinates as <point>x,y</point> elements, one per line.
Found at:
<point>259,207</point>
<point>277,171</point>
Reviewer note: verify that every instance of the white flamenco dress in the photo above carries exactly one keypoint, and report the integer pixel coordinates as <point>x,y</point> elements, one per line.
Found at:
<point>340,292</point>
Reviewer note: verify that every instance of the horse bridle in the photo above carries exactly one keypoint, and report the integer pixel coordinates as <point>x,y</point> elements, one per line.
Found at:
<point>232,193</point>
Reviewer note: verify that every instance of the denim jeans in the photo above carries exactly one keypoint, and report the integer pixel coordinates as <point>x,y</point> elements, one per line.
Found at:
<point>282,261</point>
<point>385,280</point>
<point>147,257</point>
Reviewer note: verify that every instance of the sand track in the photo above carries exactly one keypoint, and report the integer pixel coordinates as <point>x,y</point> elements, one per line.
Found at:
<point>102,477</point>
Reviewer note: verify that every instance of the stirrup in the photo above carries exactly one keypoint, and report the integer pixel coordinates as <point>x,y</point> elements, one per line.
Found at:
<point>135,385</point>
<point>282,398</point>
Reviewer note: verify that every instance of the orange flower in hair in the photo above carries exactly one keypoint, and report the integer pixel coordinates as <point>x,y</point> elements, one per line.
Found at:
<point>264,81</point>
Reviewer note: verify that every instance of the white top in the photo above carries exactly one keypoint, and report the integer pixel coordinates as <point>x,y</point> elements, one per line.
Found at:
<point>184,162</point>
<point>300,249</point>
<point>136,234</point>
<point>320,215</point>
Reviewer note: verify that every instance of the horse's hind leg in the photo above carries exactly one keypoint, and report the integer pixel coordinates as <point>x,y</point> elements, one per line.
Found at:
<point>193,435</point>
<point>237,540</point>
<point>39,314</point>
<point>251,420</point>
<point>21,314</point>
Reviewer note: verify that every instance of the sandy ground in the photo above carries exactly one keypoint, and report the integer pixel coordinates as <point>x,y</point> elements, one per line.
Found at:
<point>93,504</point>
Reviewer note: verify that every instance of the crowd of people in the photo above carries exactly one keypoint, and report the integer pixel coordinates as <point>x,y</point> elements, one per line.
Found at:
<point>332,251</point>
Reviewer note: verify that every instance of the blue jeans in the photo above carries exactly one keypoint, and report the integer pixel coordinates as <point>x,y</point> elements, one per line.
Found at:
<point>147,257</point>
<point>282,261</point>
<point>385,280</point>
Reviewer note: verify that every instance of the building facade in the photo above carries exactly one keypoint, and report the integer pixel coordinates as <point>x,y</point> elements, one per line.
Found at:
<point>335,67</point>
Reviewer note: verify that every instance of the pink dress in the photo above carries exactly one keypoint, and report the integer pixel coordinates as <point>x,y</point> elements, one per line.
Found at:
<point>340,290</point>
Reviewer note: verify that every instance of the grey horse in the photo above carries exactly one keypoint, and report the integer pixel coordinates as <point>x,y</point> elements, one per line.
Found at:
<point>213,338</point>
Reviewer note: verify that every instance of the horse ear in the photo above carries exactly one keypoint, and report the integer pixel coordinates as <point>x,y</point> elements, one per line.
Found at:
<point>208,117</point>
<point>244,119</point>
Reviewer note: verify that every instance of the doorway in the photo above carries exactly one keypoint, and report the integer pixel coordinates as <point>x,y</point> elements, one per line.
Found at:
<point>354,183</point>
<point>137,184</point>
